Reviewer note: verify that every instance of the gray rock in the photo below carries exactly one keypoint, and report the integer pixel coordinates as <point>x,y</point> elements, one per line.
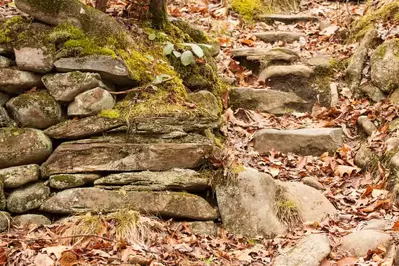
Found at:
<point>275,36</point>
<point>5,120</point>
<point>3,202</point>
<point>312,182</point>
<point>264,54</point>
<point>377,224</point>
<point>366,125</point>
<point>287,19</point>
<point>206,101</point>
<point>15,81</point>
<point>308,141</point>
<point>64,181</point>
<point>392,144</point>
<point>91,102</point>
<point>265,100</point>
<point>321,63</point>
<point>395,161</point>
<point>27,198</point>
<point>26,220</point>
<point>19,146</point>
<point>207,228</point>
<point>247,207</point>
<point>5,221</point>
<point>34,59</point>
<point>35,110</point>
<point>384,65</point>
<point>3,98</point>
<point>168,204</point>
<point>372,92</point>
<point>17,176</point>
<point>283,71</point>
<point>112,154</point>
<point>176,179</point>
<point>4,62</point>
<point>394,97</point>
<point>359,243</point>
<point>364,156</point>
<point>309,251</point>
<point>108,67</point>
<point>75,129</point>
<point>65,86</point>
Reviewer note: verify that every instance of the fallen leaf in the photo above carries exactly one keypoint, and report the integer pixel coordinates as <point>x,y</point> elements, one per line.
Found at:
<point>348,261</point>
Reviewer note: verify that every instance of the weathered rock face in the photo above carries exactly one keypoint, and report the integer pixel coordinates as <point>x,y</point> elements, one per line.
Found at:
<point>364,156</point>
<point>64,181</point>
<point>109,68</point>
<point>310,251</point>
<point>384,66</point>
<point>3,98</point>
<point>5,120</point>
<point>34,59</point>
<point>65,86</point>
<point>36,110</point>
<point>359,243</point>
<point>176,179</point>
<point>5,221</point>
<point>30,219</point>
<point>3,202</point>
<point>27,198</point>
<point>19,146</point>
<point>309,141</point>
<point>394,98</point>
<point>4,62</point>
<point>206,101</point>
<point>264,100</point>
<point>74,129</point>
<point>275,36</point>
<point>366,125</point>
<point>372,92</point>
<point>168,204</point>
<point>113,155</point>
<point>91,102</point>
<point>15,81</point>
<point>17,176</point>
<point>246,208</point>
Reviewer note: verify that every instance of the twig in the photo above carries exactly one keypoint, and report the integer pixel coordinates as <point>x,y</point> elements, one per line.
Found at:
<point>127,91</point>
<point>63,237</point>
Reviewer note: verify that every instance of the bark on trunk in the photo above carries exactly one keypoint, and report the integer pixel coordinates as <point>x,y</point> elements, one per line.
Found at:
<point>159,14</point>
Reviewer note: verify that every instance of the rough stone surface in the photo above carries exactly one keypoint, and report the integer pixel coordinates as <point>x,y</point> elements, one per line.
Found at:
<point>366,125</point>
<point>282,71</point>
<point>75,129</point>
<point>364,156</point>
<point>64,181</point>
<point>3,98</point>
<point>4,62</point>
<point>65,86</point>
<point>17,176</point>
<point>246,207</point>
<point>19,146</point>
<point>275,36</point>
<point>205,100</point>
<point>394,97</point>
<point>111,154</point>
<point>312,182</point>
<point>5,120</point>
<point>5,221</point>
<point>265,100</point>
<point>35,110</point>
<point>309,141</point>
<point>256,54</point>
<point>176,179</point>
<point>26,220</point>
<point>91,102</point>
<point>377,224</point>
<point>3,202</point>
<point>309,251</point>
<point>359,243</point>
<point>385,64</point>
<point>34,59</point>
<point>109,68</point>
<point>15,81</point>
<point>392,144</point>
<point>320,63</point>
<point>288,19</point>
<point>27,198</point>
<point>167,204</point>
<point>373,92</point>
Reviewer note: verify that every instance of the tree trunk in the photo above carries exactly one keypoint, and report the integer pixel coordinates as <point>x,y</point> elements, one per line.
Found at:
<point>101,5</point>
<point>159,14</point>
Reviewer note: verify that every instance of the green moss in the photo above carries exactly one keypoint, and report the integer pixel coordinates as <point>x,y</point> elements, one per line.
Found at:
<point>248,9</point>
<point>110,113</point>
<point>218,141</point>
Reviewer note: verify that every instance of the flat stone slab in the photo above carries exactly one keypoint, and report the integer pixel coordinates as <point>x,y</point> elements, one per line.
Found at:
<point>111,154</point>
<point>109,68</point>
<point>15,81</point>
<point>167,204</point>
<point>281,71</point>
<point>75,129</point>
<point>275,36</point>
<point>176,179</point>
<point>288,19</point>
<point>309,251</point>
<point>359,243</point>
<point>64,181</point>
<point>308,141</point>
<point>34,59</point>
<point>265,100</point>
<point>256,54</point>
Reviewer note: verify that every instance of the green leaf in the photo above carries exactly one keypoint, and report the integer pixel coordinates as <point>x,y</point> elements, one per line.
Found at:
<point>150,57</point>
<point>168,49</point>
<point>197,50</point>
<point>176,54</point>
<point>160,78</point>
<point>152,36</point>
<point>187,58</point>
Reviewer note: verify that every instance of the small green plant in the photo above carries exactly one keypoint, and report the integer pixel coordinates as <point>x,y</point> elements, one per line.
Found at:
<point>187,57</point>
<point>286,210</point>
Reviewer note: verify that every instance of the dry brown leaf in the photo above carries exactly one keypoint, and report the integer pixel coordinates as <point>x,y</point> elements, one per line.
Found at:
<point>348,261</point>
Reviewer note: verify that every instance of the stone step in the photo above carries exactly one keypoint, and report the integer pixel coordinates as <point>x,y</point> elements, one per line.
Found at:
<point>282,71</point>
<point>275,36</point>
<point>306,141</point>
<point>287,19</point>
<point>266,100</point>
<point>256,54</point>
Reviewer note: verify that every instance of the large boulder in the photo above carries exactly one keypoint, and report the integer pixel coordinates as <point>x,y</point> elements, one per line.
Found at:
<point>38,60</point>
<point>27,198</point>
<point>385,64</point>
<point>167,204</point>
<point>19,146</point>
<point>176,179</point>
<point>64,181</point>
<point>112,154</point>
<point>35,110</point>
<point>65,86</point>
<point>91,102</point>
<point>308,141</point>
<point>15,81</point>
<point>359,243</point>
<point>17,176</point>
